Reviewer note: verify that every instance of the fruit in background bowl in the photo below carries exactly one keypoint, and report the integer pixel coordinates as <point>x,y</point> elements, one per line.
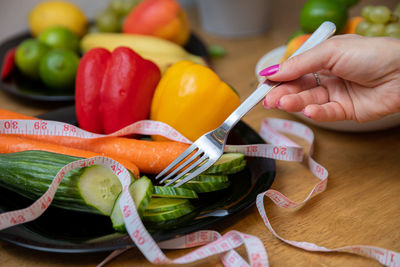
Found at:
<point>162,52</point>
<point>57,69</point>
<point>315,12</point>
<point>379,21</point>
<point>112,17</point>
<point>28,56</point>
<point>62,13</point>
<point>107,21</point>
<point>121,8</point>
<point>60,37</point>
<point>161,18</point>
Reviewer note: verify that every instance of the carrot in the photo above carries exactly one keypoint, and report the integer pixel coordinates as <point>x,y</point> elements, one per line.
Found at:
<point>149,156</point>
<point>8,114</point>
<point>14,143</point>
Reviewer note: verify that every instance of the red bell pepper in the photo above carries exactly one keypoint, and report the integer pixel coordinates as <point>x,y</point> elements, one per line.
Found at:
<point>8,63</point>
<point>114,89</point>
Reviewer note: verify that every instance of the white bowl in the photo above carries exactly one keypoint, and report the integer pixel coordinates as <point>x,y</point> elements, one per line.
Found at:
<point>274,56</point>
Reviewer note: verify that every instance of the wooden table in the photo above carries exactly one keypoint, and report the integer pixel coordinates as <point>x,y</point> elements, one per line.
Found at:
<point>360,206</point>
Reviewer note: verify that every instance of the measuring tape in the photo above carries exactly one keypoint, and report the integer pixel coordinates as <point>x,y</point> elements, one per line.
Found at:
<point>211,243</point>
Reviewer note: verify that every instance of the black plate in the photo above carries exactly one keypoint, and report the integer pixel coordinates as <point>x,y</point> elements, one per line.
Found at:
<point>65,231</point>
<point>24,88</point>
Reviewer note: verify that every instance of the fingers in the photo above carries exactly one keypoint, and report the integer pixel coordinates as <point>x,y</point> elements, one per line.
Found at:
<point>321,57</point>
<point>297,102</point>
<point>331,111</point>
<point>293,96</point>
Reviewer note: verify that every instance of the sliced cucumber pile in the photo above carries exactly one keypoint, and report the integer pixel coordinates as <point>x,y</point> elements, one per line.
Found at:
<point>164,205</point>
<point>96,189</point>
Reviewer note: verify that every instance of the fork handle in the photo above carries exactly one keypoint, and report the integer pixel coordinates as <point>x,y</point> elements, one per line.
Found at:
<point>324,31</point>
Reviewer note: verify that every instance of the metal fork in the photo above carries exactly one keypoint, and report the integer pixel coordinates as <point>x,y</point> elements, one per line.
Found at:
<point>206,150</point>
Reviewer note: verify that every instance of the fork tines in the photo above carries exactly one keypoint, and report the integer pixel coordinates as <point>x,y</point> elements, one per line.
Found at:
<point>181,162</point>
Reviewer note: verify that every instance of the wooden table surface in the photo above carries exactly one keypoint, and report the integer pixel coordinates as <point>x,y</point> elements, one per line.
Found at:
<point>360,206</point>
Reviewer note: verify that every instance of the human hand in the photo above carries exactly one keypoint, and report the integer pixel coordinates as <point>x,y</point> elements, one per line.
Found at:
<point>360,80</point>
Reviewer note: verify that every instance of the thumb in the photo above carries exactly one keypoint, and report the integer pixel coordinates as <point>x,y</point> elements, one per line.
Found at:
<point>313,60</point>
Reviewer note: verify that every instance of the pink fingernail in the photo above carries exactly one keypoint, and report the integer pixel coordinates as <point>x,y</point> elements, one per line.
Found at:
<point>270,70</point>
<point>278,104</point>
<point>265,104</point>
<point>304,113</point>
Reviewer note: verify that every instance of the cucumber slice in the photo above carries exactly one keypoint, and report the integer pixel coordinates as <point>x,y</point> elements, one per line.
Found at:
<point>99,187</point>
<point>173,192</point>
<point>210,178</point>
<point>116,217</point>
<point>164,204</point>
<point>205,187</point>
<point>226,162</point>
<point>236,169</point>
<point>167,215</point>
<point>141,191</point>
<point>172,223</point>
<point>205,183</point>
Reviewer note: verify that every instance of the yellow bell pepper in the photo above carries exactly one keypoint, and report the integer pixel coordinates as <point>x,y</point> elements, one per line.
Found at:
<point>192,99</point>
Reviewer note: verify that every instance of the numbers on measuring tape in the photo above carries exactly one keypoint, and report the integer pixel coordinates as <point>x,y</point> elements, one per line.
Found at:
<point>87,163</point>
<point>287,125</point>
<point>10,125</point>
<point>40,125</point>
<point>45,203</point>
<point>116,169</point>
<point>279,150</point>
<point>17,219</point>
<point>256,259</point>
<point>69,128</point>
<point>138,237</point>
<point>126,211</point>
<point>252,149</point>
<point>319,169</point>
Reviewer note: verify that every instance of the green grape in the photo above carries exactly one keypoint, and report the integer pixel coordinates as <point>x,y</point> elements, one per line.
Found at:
<point>380,14</point>
<point>366,11</point>
<point>123,7</point>
<point>107,21</point>
<point>392,30</point>
<point>128,5</point>
<point>375,30</point>
<point>116,7</point>
<point>362,27</point>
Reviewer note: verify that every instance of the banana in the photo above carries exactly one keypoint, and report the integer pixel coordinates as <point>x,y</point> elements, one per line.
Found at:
<point>162,52</point>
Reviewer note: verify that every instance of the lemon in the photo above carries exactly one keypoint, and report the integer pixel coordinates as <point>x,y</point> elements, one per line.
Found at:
<point>57,69</point>
<point>314,12</point>
<point>61,13</point>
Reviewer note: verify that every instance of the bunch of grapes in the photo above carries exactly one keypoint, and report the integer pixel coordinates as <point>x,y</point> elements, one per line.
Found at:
<point>111,18</point>
<point>380,21</point>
